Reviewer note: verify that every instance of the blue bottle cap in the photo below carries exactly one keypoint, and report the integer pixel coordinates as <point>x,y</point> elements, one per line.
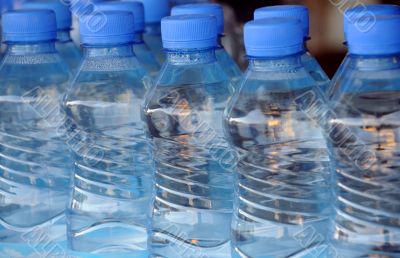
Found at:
<point>63,14</point>
<point>107,27</point>
<point>136,8</point>
<point>189,31</point>
<point>273,37</point>
<point>381,39</point>
<point>29,25</point>
<point>155,10</point>
<point>363,16</point>
<point>211,9</point>
<point>298,12</point>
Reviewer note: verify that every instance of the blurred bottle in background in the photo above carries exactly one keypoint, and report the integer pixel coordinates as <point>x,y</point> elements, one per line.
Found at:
<point>140,48</point>
<point>65,46</point>
<point>226,62</point>
<point>363,126</point>
<point>283,176</point>
<point>154,11</point>
<point>300,13</point>
<point>193,183</point>
<point>78,9</point>
<point>110,202</point>
<point>35,163</point>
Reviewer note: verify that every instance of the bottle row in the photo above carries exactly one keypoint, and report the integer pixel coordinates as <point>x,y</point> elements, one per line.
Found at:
<point>110,155</point>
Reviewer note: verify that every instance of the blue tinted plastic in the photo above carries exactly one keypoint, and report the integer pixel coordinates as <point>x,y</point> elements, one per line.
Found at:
<point>193,183</point>
<point>35,162</point>
<point>70,53</point>
<point>363,125</point>
<point>152,38</point>
<point>109,207</point>
<point>282,182</point>
<point>145,56</point>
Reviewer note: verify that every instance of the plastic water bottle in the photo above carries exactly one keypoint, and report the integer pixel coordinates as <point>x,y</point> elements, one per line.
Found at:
<point>154,11</point>
<point>300,13</point>
<point>65,46</point>
<point>140,48</point>
<point>109,207</point>
<point>35,164</point>
<point>282,187</point>
<point>228,65</point>
<point>361,17</point>
<point>193,193</point>
<point>363,125</point>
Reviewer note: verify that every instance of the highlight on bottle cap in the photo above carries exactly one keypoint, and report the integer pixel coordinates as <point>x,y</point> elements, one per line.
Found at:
<point>29,25</point>
<point>273,37</point>
<point>382,38</point>
<point>135,7</point>
<point>189,31</point>
<point>298,12</point>
<point>210,9</point>
<point>107,27</point>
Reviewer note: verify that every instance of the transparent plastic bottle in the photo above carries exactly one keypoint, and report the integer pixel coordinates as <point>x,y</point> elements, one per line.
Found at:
<point>64,45</point>
<point>363,126</point>
<point>109,207</point>
<point>140,48</point>
<point>223,58</point>
<point>358,16</point>
<point>300,13</point>
<point>192,203</point>
<point>282,184</point>
<point>35,164</point>
<point>154,11</point>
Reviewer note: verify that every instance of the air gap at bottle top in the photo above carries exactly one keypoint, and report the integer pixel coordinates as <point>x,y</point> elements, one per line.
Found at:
<point>192,203</point>
<point>365,101</point>
<point>109,208</point>
<point>283,175</point>
<point>300,13</point>
<point>35,164</point>
<point>226,62</point>
<point>65,46</point>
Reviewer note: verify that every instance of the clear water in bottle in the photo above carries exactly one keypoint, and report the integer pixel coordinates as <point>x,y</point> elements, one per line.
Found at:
<point>109,207</point>
<point>282,182</point>
<point>364,128</point>
<point>35,163</point>
<point>192,203</point>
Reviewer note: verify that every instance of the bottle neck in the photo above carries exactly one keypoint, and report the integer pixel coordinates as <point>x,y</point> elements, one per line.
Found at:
<point>64,36</point>
<point>362,62</point>
<point>153,28</point>
<point>30,48</point>
<point>275,64</point>
<point>190,57</point>
<point>111,51</point>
